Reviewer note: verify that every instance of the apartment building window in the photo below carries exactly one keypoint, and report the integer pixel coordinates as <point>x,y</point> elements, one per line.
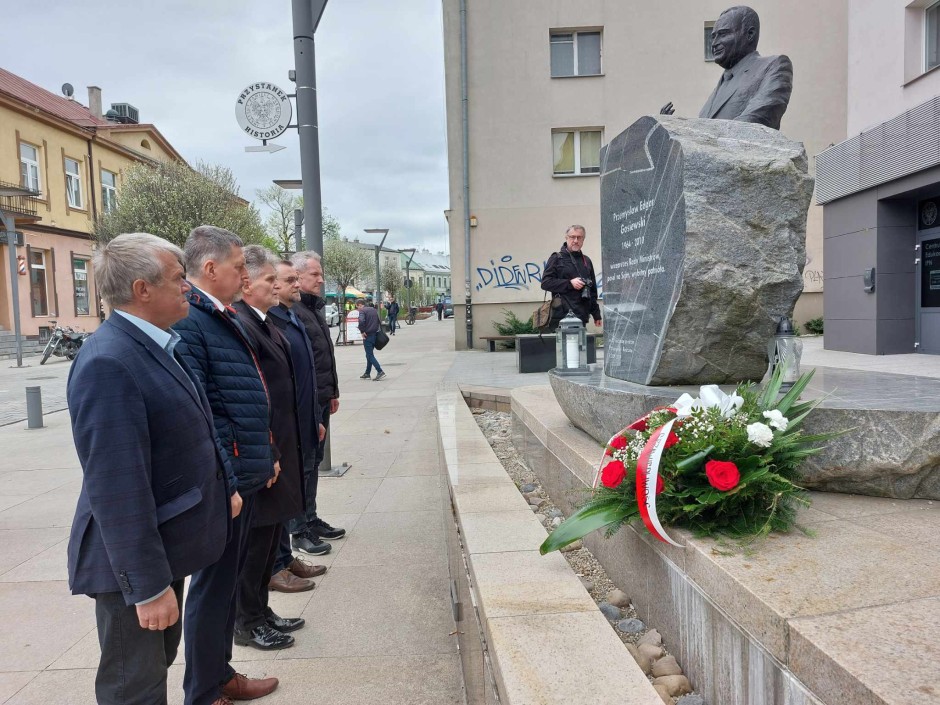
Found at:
<point>575,53</point>
<point>576,152</point>
<point>73,183</point>
<point>108,191</point>
<point>709,27</point>
<point>29,167</point>
<point>80,286</point>
<point>38,283</point>
<point>932,36</point>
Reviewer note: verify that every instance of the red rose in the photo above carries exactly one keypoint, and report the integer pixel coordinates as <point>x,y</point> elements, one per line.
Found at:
<point>723,475</point>
<point>613,474</point>
<point>639,424</point>
<point>618,442</point>
<point>671,440</point>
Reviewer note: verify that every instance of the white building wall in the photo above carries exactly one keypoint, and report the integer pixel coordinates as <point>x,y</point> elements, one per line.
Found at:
<point>652,52</point>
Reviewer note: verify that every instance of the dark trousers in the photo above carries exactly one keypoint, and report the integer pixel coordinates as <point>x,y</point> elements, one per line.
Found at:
<point>311,475</point>
<point>440,314</point>
<point>368,342</point>
<point>210,616</point>
<point>263,544</point>
<point>134,661</point>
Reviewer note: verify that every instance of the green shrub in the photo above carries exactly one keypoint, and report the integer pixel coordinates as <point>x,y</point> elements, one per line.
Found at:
<point>513,325</point>
<point>814,326</point>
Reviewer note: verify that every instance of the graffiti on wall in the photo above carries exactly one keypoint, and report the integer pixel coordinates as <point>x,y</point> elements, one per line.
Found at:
<point>509,275</point>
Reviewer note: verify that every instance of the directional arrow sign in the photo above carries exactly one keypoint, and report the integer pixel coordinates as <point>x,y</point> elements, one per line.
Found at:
<point>265,148</point>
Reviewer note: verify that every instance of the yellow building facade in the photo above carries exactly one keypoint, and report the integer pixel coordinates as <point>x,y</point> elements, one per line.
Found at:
<point>75,158</point>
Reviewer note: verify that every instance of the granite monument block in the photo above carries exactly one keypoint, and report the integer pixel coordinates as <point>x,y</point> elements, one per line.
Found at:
<point>703,229</point>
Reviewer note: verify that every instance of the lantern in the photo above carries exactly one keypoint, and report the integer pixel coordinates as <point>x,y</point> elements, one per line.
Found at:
<point>785,350</point>
<point>571,347</point>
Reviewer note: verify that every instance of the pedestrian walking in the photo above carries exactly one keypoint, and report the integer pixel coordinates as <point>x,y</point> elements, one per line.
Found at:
<point>256,624</point>
<point>393,310</point>
<point>215,345</point>
<point>154,503</point>
<point>369,325</point>
<point>440,310</point>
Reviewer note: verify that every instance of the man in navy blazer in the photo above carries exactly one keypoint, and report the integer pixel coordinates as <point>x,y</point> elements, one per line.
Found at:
<point>154,505</point>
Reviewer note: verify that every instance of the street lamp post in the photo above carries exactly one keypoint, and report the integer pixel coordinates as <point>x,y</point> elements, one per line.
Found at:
<point>408,283</point>
<point>306,16</point>
<point>378,249</point>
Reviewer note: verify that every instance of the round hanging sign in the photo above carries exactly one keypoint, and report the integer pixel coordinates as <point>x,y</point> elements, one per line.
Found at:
<point>263,111</point>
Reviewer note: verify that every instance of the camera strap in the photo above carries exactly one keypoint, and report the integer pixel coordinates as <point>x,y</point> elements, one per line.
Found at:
<point>575,265</point>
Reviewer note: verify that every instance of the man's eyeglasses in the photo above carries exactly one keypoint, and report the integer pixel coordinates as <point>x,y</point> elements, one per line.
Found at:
<point>576,237</point>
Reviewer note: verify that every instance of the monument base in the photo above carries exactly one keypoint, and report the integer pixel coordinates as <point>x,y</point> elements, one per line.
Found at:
<point>846,616</point>
<point>892,449</point>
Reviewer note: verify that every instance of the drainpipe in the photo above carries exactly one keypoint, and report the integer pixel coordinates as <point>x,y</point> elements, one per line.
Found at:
<point>464,108</point>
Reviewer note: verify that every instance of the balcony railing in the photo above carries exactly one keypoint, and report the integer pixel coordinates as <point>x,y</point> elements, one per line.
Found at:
<point>18,201</point>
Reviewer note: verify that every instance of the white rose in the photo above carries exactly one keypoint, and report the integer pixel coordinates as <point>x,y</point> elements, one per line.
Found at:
<point>760,435</point>
<point>777,419</point>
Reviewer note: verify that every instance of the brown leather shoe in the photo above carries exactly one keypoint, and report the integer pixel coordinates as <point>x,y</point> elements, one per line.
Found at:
<point>222,701</point>
<point>302,569</point>
<point>285,581</point>
<point>241,687</point>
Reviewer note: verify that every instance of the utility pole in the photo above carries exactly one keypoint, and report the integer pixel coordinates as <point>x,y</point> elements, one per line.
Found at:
<point>378,249</point>
<point>306,18</point>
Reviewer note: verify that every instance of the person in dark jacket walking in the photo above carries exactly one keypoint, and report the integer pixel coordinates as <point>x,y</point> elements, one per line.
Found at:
<point>439,307</point>
<point>369,325</point>
<point>154,504</point>
<point>256,625</point>
<point>393,309</point>
<point>569,275</point>
<point>215,345</point>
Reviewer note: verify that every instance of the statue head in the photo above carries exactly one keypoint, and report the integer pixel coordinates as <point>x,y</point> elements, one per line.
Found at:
<point>735,35</point>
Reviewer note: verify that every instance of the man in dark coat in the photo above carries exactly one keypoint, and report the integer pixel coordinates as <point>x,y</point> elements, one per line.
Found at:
<point>393,309</point>
<point>256,624</point>
<point>369,326</point>
<point>154,504</point>
<point>569,276</point>
<point>439,307</point>
<point>310,535</point>
<point>215,345</point>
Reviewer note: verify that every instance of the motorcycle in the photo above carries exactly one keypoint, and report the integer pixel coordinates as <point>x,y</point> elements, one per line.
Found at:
<point>64,342</point>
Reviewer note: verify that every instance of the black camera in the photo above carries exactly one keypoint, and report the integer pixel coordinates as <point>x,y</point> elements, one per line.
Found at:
<point>586,291</point>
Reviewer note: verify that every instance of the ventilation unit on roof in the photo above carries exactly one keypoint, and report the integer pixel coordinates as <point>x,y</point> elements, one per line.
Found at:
<point>127,114</point>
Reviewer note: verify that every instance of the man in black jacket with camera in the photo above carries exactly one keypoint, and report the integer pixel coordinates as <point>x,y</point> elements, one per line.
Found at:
<point>569,276</point>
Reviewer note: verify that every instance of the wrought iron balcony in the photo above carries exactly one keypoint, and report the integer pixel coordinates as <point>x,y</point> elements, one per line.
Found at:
<point>18,201</point>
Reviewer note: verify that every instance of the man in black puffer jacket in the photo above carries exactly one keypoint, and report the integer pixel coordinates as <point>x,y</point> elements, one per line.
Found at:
<point>569,275</point>
<point>215,345</point>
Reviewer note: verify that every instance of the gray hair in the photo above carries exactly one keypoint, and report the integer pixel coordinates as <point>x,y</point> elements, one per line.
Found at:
<point>301,260</point>
<point>256,259</point>
<point>205,243</point>
<point>127,258</point>
<point>576,227</point>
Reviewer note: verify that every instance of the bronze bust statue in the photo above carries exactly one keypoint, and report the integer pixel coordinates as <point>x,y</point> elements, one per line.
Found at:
<point>753,88</point>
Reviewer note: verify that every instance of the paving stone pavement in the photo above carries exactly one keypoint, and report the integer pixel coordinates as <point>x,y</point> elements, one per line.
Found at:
<point>379,623</point>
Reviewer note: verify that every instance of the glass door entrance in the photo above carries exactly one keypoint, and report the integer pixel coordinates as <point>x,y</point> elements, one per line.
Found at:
<point>927,313</point>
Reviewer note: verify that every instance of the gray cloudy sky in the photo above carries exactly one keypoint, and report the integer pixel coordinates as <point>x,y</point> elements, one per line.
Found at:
<point>182,63</point>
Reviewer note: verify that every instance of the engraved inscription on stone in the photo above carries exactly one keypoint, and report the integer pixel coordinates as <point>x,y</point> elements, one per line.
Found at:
<point>643,246</point>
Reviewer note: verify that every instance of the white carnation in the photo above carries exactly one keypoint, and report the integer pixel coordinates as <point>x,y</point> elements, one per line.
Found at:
<point>760,435</point>
<point>777,419</point>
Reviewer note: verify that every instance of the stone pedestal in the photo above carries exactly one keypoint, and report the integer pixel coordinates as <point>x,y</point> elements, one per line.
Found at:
<point>703,228</point>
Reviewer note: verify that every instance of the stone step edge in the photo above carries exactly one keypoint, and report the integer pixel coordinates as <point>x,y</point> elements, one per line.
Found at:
<point>516,643</point>
<point>566,442</point>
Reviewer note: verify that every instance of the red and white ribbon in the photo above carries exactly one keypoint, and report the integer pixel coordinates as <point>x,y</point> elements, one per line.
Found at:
<point>647,473</point>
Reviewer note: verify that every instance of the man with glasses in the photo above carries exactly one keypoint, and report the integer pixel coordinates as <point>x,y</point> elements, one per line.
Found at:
<point>569,276</point>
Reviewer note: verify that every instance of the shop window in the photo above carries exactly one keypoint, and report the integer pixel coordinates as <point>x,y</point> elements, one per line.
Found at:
<point>575,53</point>
<point>38,282</point>
<point>108,191</point>
<point>29,167</point>
<point>576,152</point>
<point>80,285</point>
<point>73,183</point>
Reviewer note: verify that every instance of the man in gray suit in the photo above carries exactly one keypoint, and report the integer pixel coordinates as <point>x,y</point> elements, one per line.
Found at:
<point>753,88</point>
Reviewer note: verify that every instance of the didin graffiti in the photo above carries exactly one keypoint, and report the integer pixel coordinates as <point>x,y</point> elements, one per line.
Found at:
<point>509,276</point>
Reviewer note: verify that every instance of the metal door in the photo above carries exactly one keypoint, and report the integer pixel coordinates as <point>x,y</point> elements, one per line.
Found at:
<point>927,257</point>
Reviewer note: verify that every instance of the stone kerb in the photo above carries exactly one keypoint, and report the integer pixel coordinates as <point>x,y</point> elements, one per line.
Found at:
<point>787,623</point>
<point>547,640</point>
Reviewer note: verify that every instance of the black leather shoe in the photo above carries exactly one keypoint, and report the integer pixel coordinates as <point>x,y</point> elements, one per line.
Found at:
<point>325,531</point>
<point>309,543</point>
<point>284,624</point>
<point>264,638</point>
